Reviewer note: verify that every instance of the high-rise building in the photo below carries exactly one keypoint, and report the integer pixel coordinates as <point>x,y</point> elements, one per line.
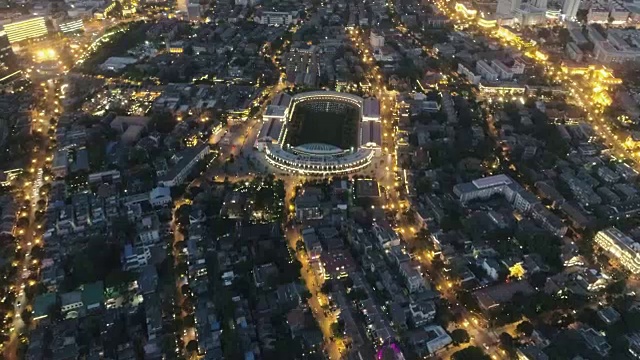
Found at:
<point>25,28</point>
<point>507,7</point>
<point>8,63</point>
<point>71,25</point>
<point>540,4</point>
<point>194,11</point>
<point>570,9</point>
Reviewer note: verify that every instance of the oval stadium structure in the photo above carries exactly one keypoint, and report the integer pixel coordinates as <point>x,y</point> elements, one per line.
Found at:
<point>321,133</point>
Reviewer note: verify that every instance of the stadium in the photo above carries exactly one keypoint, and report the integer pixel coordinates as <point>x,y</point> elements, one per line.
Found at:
<point>321,133</point>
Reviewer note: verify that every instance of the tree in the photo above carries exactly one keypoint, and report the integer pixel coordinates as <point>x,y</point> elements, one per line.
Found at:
<point>617,287</point>
<point>424,239</point>
<point>470,353</point>
<point>526,328</point>
<point>192,192</point>
<point>192,346</point>
<point>467,300</point>
<point>506,341</point>
<point>546,245</point>
<point>163,121</point>
<point>564,36</point>
<point>26,316</point>
<point>189,321</point>
<point>544,33</point>
<point>119,277</point>
<point>337,328</point>
<point>460,336</point>
<point>538,279</point>
<point>560,320</point>
<point>182,215</point>
<point>37,252</point>
<point>300,246</point>
<point>326,287</point>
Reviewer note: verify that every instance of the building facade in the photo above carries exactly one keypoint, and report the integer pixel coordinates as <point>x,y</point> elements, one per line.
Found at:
<point>25,29</point>
<point>621,247</point>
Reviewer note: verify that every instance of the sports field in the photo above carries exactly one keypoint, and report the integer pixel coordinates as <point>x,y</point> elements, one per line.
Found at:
<point>309,125</point>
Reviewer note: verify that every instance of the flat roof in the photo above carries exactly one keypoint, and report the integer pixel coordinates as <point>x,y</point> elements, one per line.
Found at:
<point>367,188</point>
<point>491,181</point>
<point>271,128</point>
<point>495,295</point>
<point>119,121</point>
<point>275,110</point>
<point>371,108</point>
<point>43,303</point>
<point>282,99</point>
<point>186,156</point>
<point>370,133</point>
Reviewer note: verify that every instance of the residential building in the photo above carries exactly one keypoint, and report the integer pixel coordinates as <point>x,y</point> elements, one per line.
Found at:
<point>307,205</point>
<point>429,339</point>
<point>134,258</point>
<point>184,162</point>
<point>386,236</point>
<point>620,246</point>
<point>492,268</point>
<point>531,352</point>
<point>595,341</point>
<point>148,231</point>
<point>71,304</point>
<point>422,313</point>
<point>130,127</point>
<point>412,276</point>
<point>609,315</point>
<point>486,71</point>
<point>469,74</point>
<point>336,264</point>
<point>276,18</point>
<point>634,345</point>
<point>549,220</point>
<point>312,244</point>
<point>618,46</point>
<point>574,52</point>
<point>160,196</point>
<point>504,72</point>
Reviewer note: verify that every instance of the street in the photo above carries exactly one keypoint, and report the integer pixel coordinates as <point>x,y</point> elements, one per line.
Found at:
<point>31,236</point>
